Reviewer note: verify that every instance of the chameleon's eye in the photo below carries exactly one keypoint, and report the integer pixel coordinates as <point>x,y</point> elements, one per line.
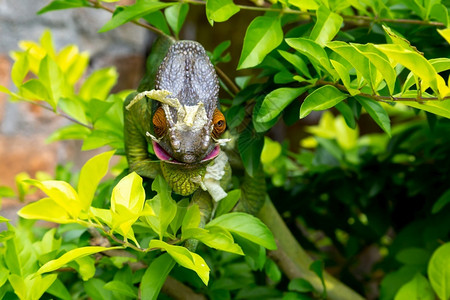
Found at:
<point>219,124</point>
<point>160,122</point>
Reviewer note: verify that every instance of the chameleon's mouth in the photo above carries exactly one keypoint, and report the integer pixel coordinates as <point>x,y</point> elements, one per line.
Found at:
<point>163,155</point>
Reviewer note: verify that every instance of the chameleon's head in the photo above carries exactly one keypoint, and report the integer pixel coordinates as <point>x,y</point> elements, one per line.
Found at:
<point>188,132</point>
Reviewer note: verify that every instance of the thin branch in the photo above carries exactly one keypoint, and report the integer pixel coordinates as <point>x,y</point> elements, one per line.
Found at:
<point>97,4</point>
<point>366,19</point>
<point>227,80</point>
<point>62,114</point>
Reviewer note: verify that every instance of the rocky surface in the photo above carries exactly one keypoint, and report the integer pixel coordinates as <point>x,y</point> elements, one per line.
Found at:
<point>24,127</point>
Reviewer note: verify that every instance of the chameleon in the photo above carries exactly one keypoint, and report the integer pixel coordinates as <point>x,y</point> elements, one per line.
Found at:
<point>176,112</point>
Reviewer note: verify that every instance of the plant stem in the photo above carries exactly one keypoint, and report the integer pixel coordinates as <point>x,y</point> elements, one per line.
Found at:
<point>293,259</point>
<point>357,18</point>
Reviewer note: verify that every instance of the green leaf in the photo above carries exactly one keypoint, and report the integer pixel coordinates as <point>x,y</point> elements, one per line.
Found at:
<point>163,204</point>
<point>413,256</point>
<point>272,271</point>
<point>46,209</point>
<point>344,75</point>
<point>34,89</point>
<point>121,288</point>
<point>74,108</point>
<point>417,64</point>
<point>262,36</point>
<point>31,287</point>
<point>327,26</point>
<point>440,108</point>
<point>51,77</point>
<point>360,62</point>
<point>314,52</point>
<point>185,258</point>
<point>443,200</point>
<point>276,101</point>
<point>128,193</point>
<point>304,4</point>
<point>323,98</point>
<point>20,68</point>
<point>90,175</point>
<point>246,226</point>
<point>6,191</point>
<point>158,20</point>
<point>347,113</point>
<point>59,290</point>
<point>155,276</point>
<point>175,16</point>
<point>297,62</point>
<point>226,204</point>
<point>317,267</point>
<point>377,112</point>
<point>216,237</point>
<point>94,288</point>
<point>271,151</point>
<point>220,10</point>
<point>417,288</point>
<point>439,271</point>
<point>250,145</point>
<point>62,193</point>
<point>71,256</point>
<point>300,285</point>
<point>70,132</point>
<point>85,266</point>
<point>381,62</point>
<point>136,11</point>
<point>439,12</point>
<point>99,84</point>
<point>63,4</point>
<point>191,219</point>
<point>182,207</point>
<point>445,33</point>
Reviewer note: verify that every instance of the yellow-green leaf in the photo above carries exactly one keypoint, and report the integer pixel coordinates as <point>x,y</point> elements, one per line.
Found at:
<point>439,271</point>
<point>129,193</point>
<point>70,256</point>
<point>314,52</point>
<point>185,258</point>
<point>327,26</point>
<point>445,33</point>
<point>417,64</point>
<point>62,193</point>
<point>417,288</point>
<point>344,76</point>
<point>90,175</point>
<point>46,209</point>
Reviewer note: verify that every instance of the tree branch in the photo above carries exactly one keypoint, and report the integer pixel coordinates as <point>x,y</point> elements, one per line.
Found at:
<point>293,259</point>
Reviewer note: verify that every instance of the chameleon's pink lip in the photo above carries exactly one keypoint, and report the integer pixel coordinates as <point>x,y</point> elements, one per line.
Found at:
<point>163,155</point>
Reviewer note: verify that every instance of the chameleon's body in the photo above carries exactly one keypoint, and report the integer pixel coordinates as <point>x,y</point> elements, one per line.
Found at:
<point>177,113</point>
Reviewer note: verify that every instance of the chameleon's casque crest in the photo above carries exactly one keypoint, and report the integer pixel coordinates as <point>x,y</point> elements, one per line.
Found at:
<point>189,76</point>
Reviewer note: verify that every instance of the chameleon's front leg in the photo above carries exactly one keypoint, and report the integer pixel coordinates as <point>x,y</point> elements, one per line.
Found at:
<point>137,122</point>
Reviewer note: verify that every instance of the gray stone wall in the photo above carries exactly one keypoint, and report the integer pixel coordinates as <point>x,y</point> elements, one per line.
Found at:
<point>24,126</point>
